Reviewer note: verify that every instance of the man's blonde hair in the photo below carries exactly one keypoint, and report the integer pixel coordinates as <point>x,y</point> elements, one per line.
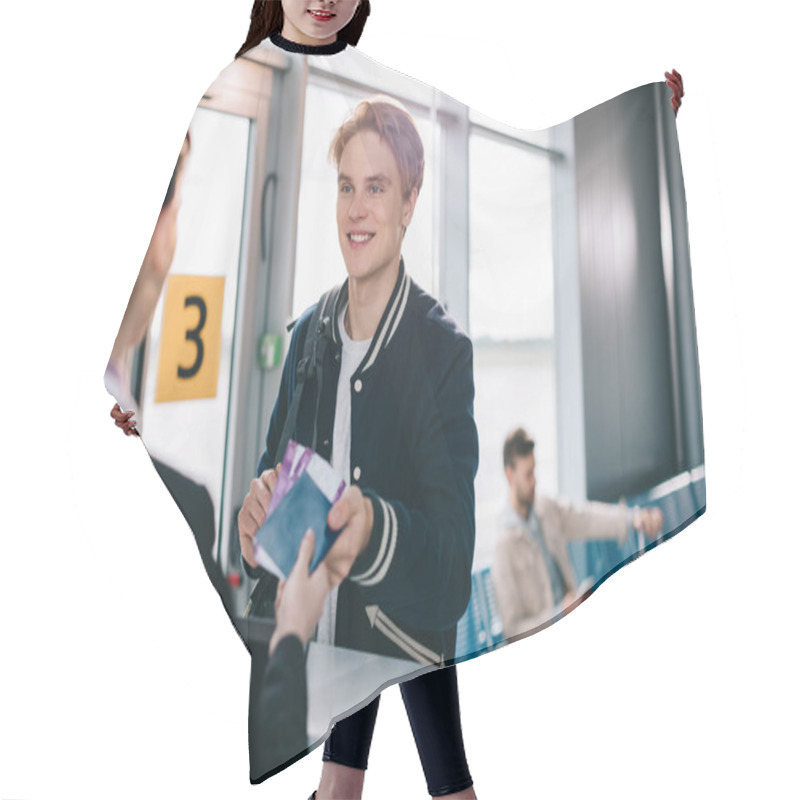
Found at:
<point>395,126</point>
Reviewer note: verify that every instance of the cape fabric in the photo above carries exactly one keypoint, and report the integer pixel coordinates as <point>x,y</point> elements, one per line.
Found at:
<point>545,283</point>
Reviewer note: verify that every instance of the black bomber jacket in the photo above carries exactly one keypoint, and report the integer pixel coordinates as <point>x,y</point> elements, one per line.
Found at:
<point>414,453</point>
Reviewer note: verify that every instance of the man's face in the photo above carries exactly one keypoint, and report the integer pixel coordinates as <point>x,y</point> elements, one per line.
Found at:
<point>522,479</point>
<point>316,21</point>
<point>371,212</point>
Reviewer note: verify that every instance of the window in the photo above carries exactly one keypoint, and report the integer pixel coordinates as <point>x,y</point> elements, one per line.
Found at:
<point>191,435</point>
<point>511,312</point>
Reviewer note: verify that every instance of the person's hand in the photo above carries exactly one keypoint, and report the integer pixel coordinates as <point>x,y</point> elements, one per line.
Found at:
<point>675,82</point>
<point>300,598</point>
<point>124,420</point>
<point>254,511</point>
<point>648,521</point>
<point>353,515</point>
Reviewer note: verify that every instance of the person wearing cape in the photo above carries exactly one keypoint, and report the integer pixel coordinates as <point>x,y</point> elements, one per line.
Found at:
<point>432,698</point>
<point>326,29</point>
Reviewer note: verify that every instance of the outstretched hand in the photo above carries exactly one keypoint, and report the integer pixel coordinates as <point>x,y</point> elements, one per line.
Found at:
<point>648,521</point>
<point>675,82</point>
<point>298,605</point>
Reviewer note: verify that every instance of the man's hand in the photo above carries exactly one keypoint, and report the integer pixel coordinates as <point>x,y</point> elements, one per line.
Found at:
<point>648,521</point>
<point>254,511</point>
<point>675,82</point>
<point>301,596</point>
<point>124,420</point>
<point>353,515</point>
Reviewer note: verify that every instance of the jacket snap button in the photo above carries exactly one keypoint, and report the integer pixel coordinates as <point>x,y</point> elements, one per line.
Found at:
<point>356,473</point>
<point>358,385</point>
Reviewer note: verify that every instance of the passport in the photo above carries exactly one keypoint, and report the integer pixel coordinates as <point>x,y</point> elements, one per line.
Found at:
<point>307,488</point>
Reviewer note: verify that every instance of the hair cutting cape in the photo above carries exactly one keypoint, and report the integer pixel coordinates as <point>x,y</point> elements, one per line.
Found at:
<point>560,263</point>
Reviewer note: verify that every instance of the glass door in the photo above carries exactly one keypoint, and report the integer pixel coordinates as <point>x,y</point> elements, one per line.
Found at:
<point>192,351</point>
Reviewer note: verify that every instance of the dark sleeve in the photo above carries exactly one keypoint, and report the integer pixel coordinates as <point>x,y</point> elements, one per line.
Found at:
<point>278,710</point>
<point>195,504</point>
<point>418,562</point>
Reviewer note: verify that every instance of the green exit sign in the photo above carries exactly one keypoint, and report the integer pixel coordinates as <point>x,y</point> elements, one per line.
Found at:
<point>269,350</point>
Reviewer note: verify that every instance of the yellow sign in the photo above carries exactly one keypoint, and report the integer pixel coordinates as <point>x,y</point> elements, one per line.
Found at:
<point>191,338</point>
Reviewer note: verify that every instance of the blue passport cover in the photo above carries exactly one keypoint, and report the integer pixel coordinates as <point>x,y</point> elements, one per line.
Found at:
<point>303,507</point>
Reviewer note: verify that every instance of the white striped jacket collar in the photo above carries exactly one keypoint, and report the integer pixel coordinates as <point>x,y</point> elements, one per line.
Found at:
<point>390,320</point>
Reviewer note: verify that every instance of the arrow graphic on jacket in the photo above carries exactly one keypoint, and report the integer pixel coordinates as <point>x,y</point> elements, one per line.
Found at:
<point>390,629</point>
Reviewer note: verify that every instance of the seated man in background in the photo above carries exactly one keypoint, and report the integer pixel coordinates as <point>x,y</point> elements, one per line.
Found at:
<point>532,572</point>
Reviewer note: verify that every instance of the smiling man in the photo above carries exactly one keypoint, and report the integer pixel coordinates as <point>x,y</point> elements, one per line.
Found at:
<point>393,412</point>
<point>372,219</point>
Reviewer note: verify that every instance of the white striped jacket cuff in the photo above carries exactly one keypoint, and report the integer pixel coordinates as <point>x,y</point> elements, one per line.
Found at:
<point>386,526</point>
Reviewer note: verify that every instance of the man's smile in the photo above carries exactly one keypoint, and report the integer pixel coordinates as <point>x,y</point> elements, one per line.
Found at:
<point>360,237</point>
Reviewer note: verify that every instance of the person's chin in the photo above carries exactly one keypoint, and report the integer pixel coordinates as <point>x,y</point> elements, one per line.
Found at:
<point>359,272</point>
<point>320,30</point>
<point>358,264</point>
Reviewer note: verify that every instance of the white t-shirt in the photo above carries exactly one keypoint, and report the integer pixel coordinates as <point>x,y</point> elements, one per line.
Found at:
<point>353,354</point>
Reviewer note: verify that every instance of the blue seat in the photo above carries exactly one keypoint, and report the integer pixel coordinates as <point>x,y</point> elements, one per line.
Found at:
<point>480,629</point>
<point>597,560</point>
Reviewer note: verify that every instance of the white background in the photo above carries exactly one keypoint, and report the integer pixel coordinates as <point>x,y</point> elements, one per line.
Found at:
<point>121,675</point>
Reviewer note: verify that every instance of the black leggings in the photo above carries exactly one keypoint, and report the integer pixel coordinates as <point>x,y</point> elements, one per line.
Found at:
<point>433,711</point>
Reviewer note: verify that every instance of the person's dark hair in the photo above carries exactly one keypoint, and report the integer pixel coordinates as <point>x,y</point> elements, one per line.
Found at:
<point>517,443</point>
<point>266,18</point>
<point>175,172</point>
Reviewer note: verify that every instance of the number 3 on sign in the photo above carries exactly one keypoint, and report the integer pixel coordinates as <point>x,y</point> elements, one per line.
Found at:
<point>191,338</point>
